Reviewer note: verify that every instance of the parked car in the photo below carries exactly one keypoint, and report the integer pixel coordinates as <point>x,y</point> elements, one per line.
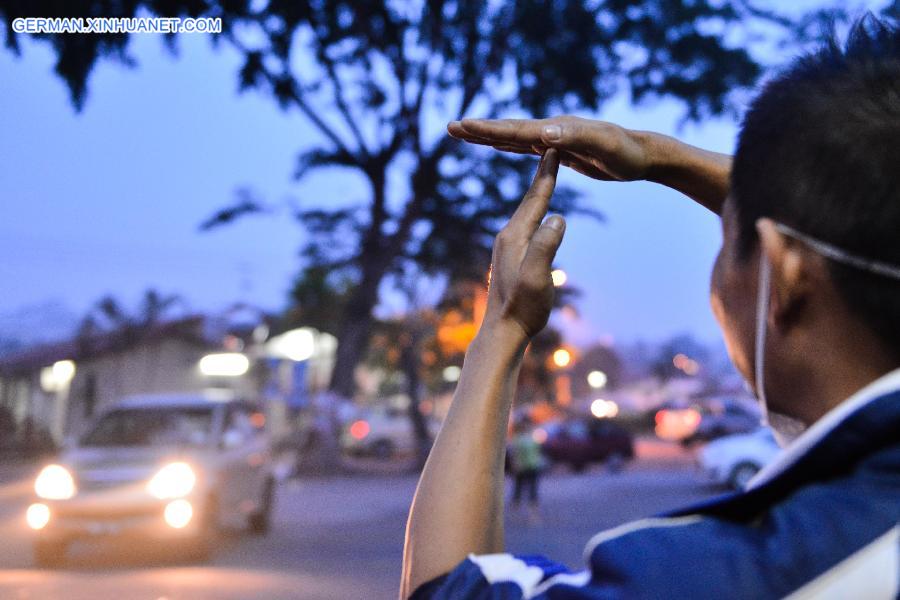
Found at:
<point>171,467</point>
<point>382,433</point>
<point>583,441</point>
<point>734,460</point>
<point>723,419</point>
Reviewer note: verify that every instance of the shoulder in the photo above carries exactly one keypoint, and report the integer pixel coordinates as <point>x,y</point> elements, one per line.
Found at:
<point>763,548</point>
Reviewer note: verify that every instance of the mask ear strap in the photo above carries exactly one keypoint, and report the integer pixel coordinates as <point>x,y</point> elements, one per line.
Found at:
<point>842,256</point>
<point>762,316</point>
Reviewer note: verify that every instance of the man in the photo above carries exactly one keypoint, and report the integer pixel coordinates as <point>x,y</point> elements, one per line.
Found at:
<point>806,289</point>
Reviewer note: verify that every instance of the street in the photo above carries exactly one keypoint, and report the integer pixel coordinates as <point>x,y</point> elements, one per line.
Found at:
<point>336,537</point>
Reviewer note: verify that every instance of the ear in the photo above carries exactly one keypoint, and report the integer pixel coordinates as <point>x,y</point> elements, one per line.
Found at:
<point>791,274</point>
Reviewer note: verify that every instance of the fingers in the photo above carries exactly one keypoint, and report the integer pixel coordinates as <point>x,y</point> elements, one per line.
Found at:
<point>508,132</point>
<point>542,250</point>
<point>581,136</point>
<point>534,205</point>
<point>565,133</point>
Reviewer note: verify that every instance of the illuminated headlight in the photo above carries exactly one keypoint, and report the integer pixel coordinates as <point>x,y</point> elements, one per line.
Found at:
<point>178,513</point>
<point>54,482</point>
<point>37,516</point>
<point>174,480</point>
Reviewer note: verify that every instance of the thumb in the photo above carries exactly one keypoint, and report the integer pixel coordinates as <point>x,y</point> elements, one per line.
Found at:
<point>542,249</point>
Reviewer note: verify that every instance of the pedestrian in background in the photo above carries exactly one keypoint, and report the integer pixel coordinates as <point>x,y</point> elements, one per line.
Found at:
<point>527,462</point>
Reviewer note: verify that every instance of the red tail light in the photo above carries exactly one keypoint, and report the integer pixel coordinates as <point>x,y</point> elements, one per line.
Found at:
<point>360,429</point>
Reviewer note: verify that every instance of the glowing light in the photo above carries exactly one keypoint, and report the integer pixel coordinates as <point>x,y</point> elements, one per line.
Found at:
<point>559,277</point>
<point>692,418</point>
<point>178,513</point>
<point>686,364</point>
<point>451,373</point>
<point>37,516</point>
<point>597,379</point>
<point>258,420</point>
<point>539,435</point>
<point>54,482</point>
<point>63,371</point>
<point>296,345</point>
<point>562,357</point>
<point>360,429</point>
<point>225,364</point>
<point>57,376</point>
<point>174,480</point>
<point>604,409</point>
<point>676,424</point>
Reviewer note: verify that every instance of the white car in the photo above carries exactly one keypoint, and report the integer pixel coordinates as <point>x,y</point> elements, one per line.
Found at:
<point>382,433</point>
<point>735,459</point>
<point>172,467</point>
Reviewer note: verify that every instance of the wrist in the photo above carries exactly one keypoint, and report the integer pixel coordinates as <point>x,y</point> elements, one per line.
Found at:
<point>661,152</point>
<point>502,335</point>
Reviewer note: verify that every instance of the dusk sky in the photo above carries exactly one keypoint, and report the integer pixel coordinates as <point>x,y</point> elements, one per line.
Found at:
<point>109,200</point>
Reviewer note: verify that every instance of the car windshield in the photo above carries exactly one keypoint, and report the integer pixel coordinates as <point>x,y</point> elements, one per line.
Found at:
<point>152,427</point>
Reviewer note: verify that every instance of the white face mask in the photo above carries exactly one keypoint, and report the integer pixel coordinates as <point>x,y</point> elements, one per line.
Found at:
<point>785,428</point>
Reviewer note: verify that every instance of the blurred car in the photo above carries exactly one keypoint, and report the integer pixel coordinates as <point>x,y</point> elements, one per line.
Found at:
<point>583,441</point>
<point>171,467</point>
<point>382,433</point>
<point>734,460</point>
<point>725,418</point>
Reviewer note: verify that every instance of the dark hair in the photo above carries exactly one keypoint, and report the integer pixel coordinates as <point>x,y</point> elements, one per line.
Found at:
<point>819,151</point>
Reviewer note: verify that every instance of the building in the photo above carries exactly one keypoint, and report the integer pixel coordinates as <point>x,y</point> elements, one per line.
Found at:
<point>60,387</point>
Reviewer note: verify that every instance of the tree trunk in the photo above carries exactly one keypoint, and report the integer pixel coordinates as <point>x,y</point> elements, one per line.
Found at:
<point>353,336</point>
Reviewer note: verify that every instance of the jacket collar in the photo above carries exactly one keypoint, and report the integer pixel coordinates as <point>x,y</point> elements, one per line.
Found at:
<point>862,425</point>
<point>819,430</point>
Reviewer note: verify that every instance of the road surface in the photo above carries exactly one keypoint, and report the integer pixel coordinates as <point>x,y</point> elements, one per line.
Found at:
<point>332,538</point>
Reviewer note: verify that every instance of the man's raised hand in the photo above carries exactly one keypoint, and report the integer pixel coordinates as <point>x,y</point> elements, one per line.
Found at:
<point>521,289</point>
<point>594,148</point>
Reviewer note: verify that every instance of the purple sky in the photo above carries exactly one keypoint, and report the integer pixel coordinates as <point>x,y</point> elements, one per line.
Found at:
<point>108,201</point>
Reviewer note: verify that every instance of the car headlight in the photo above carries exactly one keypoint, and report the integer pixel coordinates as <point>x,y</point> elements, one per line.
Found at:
<point>54,482</point>
<point>174,480</point>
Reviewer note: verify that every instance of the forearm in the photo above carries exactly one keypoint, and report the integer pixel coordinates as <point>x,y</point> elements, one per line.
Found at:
<point>700,174</point>
<point>458,506</point>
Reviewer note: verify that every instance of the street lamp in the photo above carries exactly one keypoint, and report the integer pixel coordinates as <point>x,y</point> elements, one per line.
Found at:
<point>604,409</point>
<point>597,379</point>
<point>562,358</point>
<point>451,373</point>
<point>56,377</point>
<point>296,345</point>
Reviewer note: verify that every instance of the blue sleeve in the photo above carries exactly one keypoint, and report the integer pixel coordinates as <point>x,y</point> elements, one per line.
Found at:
<point>498,576</point>
<point>811,537</point>
<point>804,542</point>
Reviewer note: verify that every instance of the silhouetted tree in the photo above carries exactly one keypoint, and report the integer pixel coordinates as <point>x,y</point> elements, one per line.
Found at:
<point>377,80</point>
<point>108,314</point>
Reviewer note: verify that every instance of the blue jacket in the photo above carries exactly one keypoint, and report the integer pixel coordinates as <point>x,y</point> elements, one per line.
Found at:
<point>825,526</point>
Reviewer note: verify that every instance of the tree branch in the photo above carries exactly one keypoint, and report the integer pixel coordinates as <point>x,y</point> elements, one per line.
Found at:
<point>278,84</point>
<point>339,98</point>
